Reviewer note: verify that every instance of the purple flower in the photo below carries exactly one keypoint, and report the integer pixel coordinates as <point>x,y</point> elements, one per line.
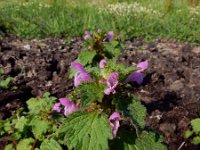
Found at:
<point>137,75</point>
<point>142,65</point>
<point>68,106</point>
<point>114,122</point>
<point>87,35</point>
<point>56,107</point>
<point>102,63</point>
<point>82,75</point>
<point>112,83</point>
<point>109,36</point>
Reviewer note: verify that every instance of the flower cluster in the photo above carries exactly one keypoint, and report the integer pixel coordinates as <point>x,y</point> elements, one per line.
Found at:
<point>109,36</point>
<point>137,75</point>
<point>66,106</point>
<point>107,77</point>
<point>82,75</point>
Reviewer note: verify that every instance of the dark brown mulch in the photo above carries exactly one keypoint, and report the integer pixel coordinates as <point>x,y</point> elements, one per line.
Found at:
<point>171,90</point>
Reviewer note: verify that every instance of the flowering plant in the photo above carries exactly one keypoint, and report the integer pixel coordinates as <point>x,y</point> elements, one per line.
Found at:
<point>107,114</point>
<point>99,113</point>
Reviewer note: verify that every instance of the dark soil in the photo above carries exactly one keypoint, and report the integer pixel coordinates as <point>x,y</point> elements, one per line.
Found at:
<point>171,90</point>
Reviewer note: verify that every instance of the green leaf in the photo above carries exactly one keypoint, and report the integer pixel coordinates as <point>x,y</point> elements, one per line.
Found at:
<point>1,71</point>
<point>50,145</point>
<point>149,141</point>
<point>90,92</point>
<point>129,141</point>
<point>196,140</point>
<point>188,133</point>
<point>86,57</point>
<point>38,105</point>
<point>25,144</point>
<point>4,83</point>
<point>16,136</point>
<point>112,49</point>
<point>196,125</point>
<point>39,127</point>
<point>131,108</point>
<point>125,141</point>
<point>86,131</point>
<point>9,147</point>
<point>114,43</point>
<point>137,113</point>
<point>21,123</point>
<point>7,126</point>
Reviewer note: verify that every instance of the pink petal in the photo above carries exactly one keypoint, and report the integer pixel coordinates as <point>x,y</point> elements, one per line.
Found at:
<point>80,77</point>
<point>64,101</point>
<point>110,36</point>
<point>56,107</point>
<point>135,76</point>
<point>78,66</point>
<point>107,91</point>
<point>112,81</point>
<point>87,35</point>
<point>142,65</point>
<point>114,116</point>
<point>70,109</point>
<point>102,63</point>
<point>114,122</point>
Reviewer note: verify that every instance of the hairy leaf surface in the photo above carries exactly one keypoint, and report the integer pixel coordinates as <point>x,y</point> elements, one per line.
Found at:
<point>86,131</point>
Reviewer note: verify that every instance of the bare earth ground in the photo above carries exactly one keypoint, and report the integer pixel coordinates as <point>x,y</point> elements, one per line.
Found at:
<point>171,90</point>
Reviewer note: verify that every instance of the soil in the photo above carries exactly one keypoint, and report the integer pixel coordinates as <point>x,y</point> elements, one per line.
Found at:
<point>171,88</point>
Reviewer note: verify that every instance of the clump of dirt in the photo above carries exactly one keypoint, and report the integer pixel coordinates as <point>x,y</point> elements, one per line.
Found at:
<point>171,88</point>
<point>36,66</point>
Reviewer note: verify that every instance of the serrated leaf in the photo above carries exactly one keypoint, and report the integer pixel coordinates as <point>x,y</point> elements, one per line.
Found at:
<point>131,108</point>
<point>25,144</point>
<point>125,141</point>
<point>21,123</point>
<point>86,57</point>
<point>90,92</point>
<point>39,127</point>
<point>50,145</point>
<point>196,125</point>
<point>38,105</point>
<point>86,131</point>
<point>16,136</point>
<point>137,112</point>
<point>149,141</point>
<point>129,141</point>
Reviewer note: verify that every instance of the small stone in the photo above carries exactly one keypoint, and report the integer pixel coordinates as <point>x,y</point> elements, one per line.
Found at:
<point>167,128</point>
<point>176,86</point>
<point>27,47</point>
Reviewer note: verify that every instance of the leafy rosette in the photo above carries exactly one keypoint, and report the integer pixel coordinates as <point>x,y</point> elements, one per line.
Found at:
<point>106,111</point>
